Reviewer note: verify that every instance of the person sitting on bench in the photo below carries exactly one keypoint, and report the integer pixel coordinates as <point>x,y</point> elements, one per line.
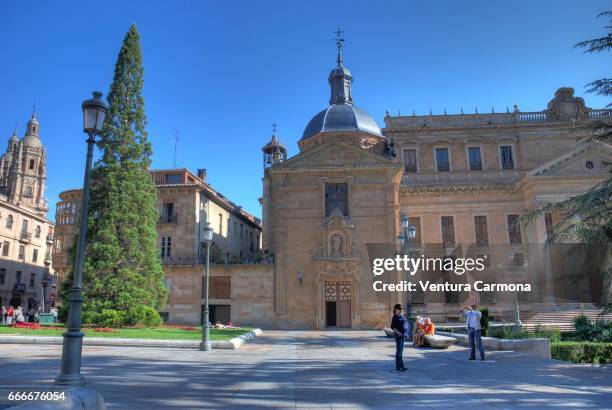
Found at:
<point>418,338</point>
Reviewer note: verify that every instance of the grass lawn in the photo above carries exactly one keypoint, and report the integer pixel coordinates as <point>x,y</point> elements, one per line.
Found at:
<point>160,333</point>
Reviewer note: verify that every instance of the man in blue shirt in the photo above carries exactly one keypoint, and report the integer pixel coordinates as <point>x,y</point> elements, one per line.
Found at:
<point>399,326</point>
<point>472,323</point>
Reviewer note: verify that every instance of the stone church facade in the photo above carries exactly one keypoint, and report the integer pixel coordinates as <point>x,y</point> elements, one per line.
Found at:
<point>26,235</point>
<point>461,180</point>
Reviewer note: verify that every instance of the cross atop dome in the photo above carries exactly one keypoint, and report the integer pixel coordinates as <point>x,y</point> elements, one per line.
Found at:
<point>339,43</point>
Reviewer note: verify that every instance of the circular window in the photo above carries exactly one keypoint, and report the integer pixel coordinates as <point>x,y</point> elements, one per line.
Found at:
<point>589,165</point>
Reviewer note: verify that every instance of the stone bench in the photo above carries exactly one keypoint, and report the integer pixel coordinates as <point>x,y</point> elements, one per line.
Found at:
<point>439,342</point>
<point>536,347</point>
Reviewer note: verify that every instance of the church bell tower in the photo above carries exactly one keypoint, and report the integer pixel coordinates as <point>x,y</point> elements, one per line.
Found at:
<point>23,170</point>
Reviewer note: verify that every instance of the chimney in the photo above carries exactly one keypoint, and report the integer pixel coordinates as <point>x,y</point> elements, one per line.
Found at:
<point>202,174</point>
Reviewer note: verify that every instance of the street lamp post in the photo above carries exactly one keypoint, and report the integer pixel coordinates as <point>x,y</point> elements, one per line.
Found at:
<point>408,233</point>
<point>205,345</point>
<point>94,113</point>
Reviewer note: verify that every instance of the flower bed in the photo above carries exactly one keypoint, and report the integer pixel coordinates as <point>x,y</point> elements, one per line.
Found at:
<point>25,325</point>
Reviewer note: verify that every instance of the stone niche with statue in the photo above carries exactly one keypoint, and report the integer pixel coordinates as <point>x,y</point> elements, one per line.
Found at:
<point>337,263</point>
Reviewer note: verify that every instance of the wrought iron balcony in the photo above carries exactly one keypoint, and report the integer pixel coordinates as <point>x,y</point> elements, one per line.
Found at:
<point>168,219</point>
<point>25,236</point>
<point>20,288</point>
<point>182,259</point>
<point>50,238</point>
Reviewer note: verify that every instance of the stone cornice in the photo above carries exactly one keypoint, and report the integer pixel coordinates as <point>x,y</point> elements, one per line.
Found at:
<point>25,211</point>
<point>392,166</point>
<point>428,129</point>
<point>428,189</point>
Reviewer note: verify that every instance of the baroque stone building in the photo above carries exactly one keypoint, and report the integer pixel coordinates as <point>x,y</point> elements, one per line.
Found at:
<point>186,202</point>
<point>25,232</point>
<point>462,180</point>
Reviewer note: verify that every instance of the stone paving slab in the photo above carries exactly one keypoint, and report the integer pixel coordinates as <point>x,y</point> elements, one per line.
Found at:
<point>331,370</point>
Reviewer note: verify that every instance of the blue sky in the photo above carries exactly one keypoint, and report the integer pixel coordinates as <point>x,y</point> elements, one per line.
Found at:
<point>222,72</point>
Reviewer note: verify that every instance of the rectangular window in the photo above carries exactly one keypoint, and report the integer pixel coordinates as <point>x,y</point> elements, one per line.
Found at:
<point>220,224</point>
<point>2,276</point>
<point>21,251</point>
<point>507,160</point>
<point>475,160</point>
<point>24,226</point>
<point>5,248</point>
<point>336,197</point>
<point>166,246</point>
<point>168,212</point>
<point>448,231</point>
<point>482,235</point>
<point>228,227</point>
<point>410,160</point>
<point>518,260</point>
<point>442,159</point>
<point>174,178</point>
<point>32,280</point>
<point>31,164</point>
<point>514,229</point>
<point>18,278</point>
<point>416,222</point>
<point>35,255</point>
<point>235,228</point>
<point>241,227</point>
<point>549,225</point>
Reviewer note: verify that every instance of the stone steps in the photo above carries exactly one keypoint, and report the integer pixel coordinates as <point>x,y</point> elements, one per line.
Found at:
<point>560,319</point>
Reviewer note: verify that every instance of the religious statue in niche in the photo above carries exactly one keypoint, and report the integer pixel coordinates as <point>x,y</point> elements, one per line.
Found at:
<point>336,246</point>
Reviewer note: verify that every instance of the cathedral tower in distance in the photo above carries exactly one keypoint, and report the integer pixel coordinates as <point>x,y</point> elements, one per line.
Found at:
<point>23,170</point>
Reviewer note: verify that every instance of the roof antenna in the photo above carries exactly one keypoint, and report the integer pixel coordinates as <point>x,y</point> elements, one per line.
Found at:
<point>175,140</point>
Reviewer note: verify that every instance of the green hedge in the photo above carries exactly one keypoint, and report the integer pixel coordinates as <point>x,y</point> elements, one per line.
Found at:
<point>582,352</point>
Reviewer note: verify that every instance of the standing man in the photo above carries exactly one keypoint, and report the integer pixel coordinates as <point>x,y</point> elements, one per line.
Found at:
<point>399,325</point>
<point>472,323</point>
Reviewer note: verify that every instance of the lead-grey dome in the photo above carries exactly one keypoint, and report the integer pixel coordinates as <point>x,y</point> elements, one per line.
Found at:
<point>341,117</point>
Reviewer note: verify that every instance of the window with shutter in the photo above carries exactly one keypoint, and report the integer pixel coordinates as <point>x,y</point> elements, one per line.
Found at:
<point>448,231</point>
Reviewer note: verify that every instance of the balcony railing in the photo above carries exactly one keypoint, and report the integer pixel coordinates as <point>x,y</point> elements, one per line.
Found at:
<point>20,288</point>
<point>25,236</point>
<point>50,238</point>
<point>168,219</point>
<point>506,118</point>
<point>182,259</point>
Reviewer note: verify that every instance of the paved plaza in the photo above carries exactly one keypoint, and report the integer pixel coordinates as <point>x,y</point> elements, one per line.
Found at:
<point>314,369</point>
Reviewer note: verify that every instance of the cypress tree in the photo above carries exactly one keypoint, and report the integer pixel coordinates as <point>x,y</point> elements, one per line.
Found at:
<point>122,266</point>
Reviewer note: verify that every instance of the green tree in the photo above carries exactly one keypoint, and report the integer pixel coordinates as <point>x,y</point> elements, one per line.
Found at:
<point>122,266</point>
<point>587,218</point>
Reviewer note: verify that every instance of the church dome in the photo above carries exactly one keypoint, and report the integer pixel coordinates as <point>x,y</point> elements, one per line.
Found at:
<point>340,70</point>
<point>31,141</point>
<point>341,117</point>
<point>31,137</point>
